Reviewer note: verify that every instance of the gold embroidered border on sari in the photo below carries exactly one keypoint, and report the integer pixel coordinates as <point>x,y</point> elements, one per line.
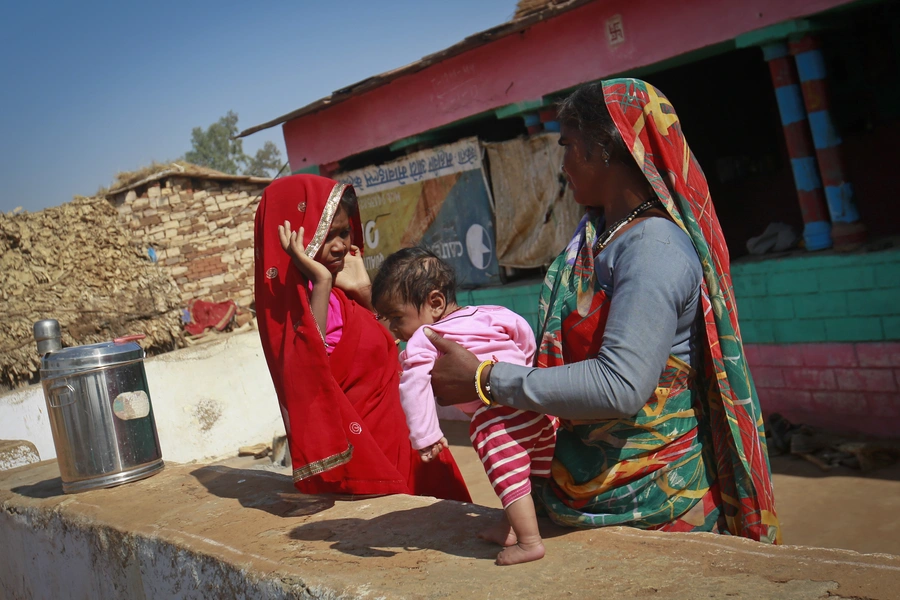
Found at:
<point>331,206</point>
<point>320,466</point>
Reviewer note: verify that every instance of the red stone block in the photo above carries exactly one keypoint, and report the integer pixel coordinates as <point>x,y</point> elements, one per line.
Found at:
<point>780,401</point>
<point>884,405</point>
<point>841,403</point>
<point>751,354</point>
<point>878,354</point>
<point>866,380</point>
<point>809,379</point>
<point>768,377</point>
<point>828,355</point>
<point>776,355</point>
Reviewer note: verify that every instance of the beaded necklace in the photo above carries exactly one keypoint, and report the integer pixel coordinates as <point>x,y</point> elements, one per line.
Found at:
<point>607,235</point>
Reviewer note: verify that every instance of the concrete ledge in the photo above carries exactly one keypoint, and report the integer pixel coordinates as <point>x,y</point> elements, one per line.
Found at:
<point>219,532</point>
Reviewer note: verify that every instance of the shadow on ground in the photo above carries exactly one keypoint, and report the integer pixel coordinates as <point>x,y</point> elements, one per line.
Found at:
<point>435,527</point>
<point>49,488</point>
<point>273,493</point>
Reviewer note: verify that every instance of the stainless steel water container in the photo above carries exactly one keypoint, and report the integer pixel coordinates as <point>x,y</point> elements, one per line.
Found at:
<point>100,414</point>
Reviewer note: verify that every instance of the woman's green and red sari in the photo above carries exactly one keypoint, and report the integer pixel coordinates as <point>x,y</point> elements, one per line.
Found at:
<point>694,458</point>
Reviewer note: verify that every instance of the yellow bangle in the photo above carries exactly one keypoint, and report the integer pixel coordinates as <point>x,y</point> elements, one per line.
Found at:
<point>478,389</point>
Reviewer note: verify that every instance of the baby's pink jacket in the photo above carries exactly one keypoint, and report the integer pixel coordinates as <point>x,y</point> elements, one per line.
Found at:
<point>490,332</point>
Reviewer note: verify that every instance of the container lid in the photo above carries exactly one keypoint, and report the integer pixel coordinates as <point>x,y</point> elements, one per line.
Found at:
<point>83,358</point>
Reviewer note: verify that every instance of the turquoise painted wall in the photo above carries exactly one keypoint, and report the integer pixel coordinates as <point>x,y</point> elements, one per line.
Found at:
<point>518,297</point>
<point>816,298</point>
<point>819,298</point>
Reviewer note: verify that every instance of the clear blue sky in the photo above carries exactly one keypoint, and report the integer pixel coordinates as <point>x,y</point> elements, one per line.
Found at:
<point>93,88</point>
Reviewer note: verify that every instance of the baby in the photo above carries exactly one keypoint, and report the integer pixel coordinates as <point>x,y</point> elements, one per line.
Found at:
<point>415,288</point>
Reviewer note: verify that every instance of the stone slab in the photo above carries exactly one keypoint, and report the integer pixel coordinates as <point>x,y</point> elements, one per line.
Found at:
<point>17,453</point>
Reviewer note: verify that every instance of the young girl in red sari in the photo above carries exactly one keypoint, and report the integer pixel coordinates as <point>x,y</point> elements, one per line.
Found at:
<point>335,368</point>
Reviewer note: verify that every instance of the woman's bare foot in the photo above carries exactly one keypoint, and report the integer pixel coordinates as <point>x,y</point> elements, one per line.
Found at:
<point>502,533</point>
<point>521,553</point>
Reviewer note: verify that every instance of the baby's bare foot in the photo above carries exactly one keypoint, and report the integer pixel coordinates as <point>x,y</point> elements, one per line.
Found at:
<point>501,534</point>
<point>521,553</point>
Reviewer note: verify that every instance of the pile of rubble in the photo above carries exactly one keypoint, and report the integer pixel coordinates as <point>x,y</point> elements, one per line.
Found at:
<point>76,264</point>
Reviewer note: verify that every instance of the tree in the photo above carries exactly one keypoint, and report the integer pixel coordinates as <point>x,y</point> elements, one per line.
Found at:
<point>217,148</point>
<point>266,163</point>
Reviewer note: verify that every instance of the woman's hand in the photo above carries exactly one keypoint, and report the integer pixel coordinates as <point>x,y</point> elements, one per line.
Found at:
<point>353,278</point>
<point>292,243</point>
<point>453,375</point>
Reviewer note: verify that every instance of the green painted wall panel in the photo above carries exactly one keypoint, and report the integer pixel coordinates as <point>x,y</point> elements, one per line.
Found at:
<point>796,282</point>
<point>828,297</point>
<point>773,307</point>
<point>833,297</point>
<point>824,304</point>
<point>799,330</point>
<point>891,327</point>
<point>881,302</point>
<point>888,276</point>
<point>846,278</point>
<point>868,329</point>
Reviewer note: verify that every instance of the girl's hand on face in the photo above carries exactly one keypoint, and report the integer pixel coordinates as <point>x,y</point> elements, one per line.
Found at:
<point>353,278</point>
<point>292,243</point>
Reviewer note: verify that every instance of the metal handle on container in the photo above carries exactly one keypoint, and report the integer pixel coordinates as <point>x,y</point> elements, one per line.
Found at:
<point>62,393</point>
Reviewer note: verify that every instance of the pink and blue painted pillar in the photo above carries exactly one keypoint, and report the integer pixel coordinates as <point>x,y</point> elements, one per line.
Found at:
<point>817,228</point>
<point>847,230</point>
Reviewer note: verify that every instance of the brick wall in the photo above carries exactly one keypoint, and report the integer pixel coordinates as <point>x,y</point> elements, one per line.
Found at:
<point>201,231</point>
<point>828,298</point>
<point>820,334</point>
<point>843,387</point>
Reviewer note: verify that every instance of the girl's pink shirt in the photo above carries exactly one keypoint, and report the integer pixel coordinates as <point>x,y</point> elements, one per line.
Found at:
<point>334,324</point>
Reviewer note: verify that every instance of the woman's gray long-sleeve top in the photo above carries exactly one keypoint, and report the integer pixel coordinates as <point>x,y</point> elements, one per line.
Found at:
<point>652,274</point>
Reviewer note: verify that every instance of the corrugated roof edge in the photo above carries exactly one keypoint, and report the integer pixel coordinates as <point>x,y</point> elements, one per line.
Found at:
<point>473,41</point>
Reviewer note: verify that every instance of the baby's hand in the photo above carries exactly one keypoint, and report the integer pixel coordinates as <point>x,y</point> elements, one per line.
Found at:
<point>430,453</point>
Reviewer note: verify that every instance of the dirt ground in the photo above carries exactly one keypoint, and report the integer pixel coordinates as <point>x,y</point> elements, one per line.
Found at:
<point>839,509</point>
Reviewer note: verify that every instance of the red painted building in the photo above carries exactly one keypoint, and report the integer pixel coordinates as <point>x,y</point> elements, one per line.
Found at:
<point>718,62</point>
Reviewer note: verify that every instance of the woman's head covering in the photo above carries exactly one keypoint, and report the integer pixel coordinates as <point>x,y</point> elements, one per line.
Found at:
<point>652,132</point>
<point>307,201</point>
